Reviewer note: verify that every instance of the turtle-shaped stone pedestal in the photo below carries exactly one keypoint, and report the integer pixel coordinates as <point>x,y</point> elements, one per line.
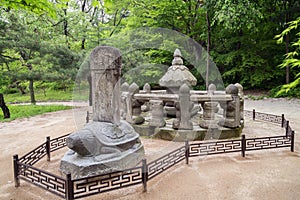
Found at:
<point>102,147</point>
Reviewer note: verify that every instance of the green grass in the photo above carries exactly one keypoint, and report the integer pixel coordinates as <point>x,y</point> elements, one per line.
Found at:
<point>51,95</point>
<point>23,111</point>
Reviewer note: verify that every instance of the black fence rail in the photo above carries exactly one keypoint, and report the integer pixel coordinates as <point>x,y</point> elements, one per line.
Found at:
<point>278,119</point>
<point>35,155</point>
<point>165,162</point>
<point>84,187</point>
<point>268,143</point>
<point>57,143</point>
<point>218,147</point>
<point>42,179</point>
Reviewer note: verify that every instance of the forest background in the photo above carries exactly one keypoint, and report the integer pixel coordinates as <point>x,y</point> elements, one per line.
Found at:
<point>43,44</point>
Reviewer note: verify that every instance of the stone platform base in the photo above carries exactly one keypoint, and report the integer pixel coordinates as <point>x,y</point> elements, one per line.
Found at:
<point>86,166</point>
<point>198,133</point>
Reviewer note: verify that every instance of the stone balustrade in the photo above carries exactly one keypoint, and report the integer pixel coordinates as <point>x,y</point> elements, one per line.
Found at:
<point>231,101</point>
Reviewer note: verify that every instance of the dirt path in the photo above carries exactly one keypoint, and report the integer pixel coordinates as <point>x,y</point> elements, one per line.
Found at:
<point>270,174</point>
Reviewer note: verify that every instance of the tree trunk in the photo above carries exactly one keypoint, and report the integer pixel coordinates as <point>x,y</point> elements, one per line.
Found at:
<point>208,50</point>
<point>31,91</point>
<point>89,78</point>
<point>66,32</point>
<point>287,69</point>
<point>20,88</point>
<point>4,108</point>
<point>287,41</point>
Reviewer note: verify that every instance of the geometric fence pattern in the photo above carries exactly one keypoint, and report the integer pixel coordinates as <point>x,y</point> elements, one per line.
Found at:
<point>68,188</point>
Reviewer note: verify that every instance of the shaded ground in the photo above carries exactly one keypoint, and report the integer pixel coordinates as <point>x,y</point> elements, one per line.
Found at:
<point>269,174</point>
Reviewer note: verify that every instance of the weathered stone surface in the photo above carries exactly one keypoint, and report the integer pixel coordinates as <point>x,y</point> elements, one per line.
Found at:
<point>84,166</point>
<point>106,144</point>
<point>98,137</point>
<point>105,66</point>
<point>157,119</point>
<point>185,108</point>
<point>233,114</point>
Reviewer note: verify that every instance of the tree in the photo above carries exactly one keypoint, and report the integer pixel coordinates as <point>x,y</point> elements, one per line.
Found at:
<point>32,51</point>
<point>4,108</point>
<point>35,6</point>
<point>292,58</point>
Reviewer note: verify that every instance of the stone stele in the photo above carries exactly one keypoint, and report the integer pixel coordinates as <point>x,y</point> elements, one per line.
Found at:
<point>106,144</point>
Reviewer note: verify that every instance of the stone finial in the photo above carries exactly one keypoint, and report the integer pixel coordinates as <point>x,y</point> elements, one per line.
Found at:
<point>177,58</point>
<point>125,87</point>
<point>240,88</point>
<point>133,88</point>
<point>232,89</point>
<point>147,88</point>
<point>211,89</point>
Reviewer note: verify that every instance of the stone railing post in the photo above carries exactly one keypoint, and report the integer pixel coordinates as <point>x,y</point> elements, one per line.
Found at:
<point>133,89</point>
<point>233,115</point>
<point>185,108</point>
<point>241,95</point>
<point>209,110</point>
<point>124,97</point>
<point>157,114</point>
<point>147,90</point>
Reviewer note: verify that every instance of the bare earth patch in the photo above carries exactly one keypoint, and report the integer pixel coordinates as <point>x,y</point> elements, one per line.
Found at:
<point>268,174</point>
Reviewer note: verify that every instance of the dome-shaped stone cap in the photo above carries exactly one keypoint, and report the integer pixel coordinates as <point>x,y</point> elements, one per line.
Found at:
<point>133,88</point>
<point>147,87</point>
<point>232,89</point>
<point>212,88</point>
<point>125,87</point>
<point>240,87</point>
<point>177,74</point>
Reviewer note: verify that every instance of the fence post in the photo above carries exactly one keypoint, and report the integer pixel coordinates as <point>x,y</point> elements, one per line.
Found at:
<point>292,141</point>
<point>287,128</point>
<point>282,120</point>
<point>187,152</point>
<point>69,188</point>
<point>253,114</point>
<point>243,145</point>
<point>16,170</point>
<point>48,148</point>
<point>144,174</point>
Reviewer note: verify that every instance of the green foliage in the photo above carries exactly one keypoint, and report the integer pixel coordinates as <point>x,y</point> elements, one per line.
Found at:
<point>292,60</point>
<point>35,6</point>
<point>23,111</point>
<point>47,48</point>
<point>280,91</point>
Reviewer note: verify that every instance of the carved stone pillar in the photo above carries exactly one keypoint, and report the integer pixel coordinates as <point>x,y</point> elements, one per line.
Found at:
<point>233,115</point>
<point>106,65</point>
<point>209,120</point>
<point>146,89</point>
<point>185,108</point>
<point>157,118</point>
<point>241,95</point>
<point>124,96</point>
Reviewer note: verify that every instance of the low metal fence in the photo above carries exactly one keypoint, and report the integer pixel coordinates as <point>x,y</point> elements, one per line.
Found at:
<point>68,188</point>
